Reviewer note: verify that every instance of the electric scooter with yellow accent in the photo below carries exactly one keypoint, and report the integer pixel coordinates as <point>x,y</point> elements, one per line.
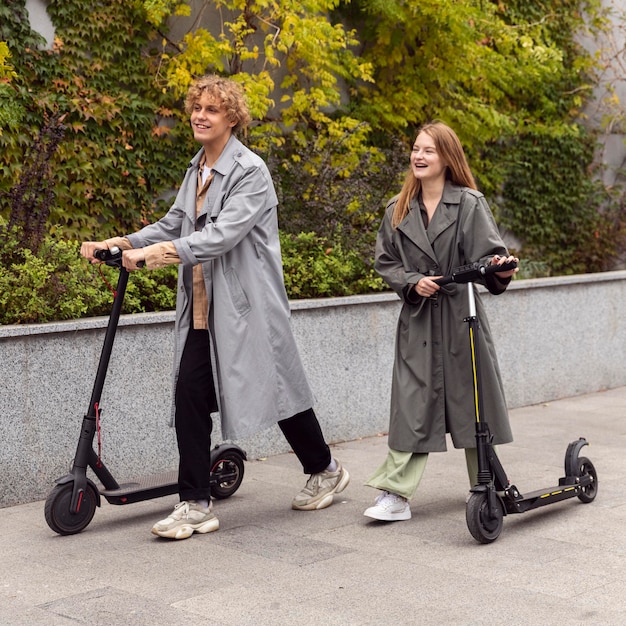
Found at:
<point>71,504</point>
<point>494,496</point>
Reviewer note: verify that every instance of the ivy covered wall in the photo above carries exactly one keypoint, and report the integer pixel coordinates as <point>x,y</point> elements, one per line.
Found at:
<point>101,101</point>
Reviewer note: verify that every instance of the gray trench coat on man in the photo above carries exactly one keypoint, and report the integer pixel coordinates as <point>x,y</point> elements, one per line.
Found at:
<point>257,368</point>
<point>432,387</point>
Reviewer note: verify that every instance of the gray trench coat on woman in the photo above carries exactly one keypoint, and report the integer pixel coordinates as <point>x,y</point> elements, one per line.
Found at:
<point>259,375</point>
<point>432,387</point>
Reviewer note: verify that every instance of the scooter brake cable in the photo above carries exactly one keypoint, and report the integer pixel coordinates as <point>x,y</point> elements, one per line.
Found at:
<point>108,284</point>
<point>99,431</point>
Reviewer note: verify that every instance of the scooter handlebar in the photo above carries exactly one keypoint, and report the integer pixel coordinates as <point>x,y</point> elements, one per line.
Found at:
<point>112,257</point>
<point>473,272</point>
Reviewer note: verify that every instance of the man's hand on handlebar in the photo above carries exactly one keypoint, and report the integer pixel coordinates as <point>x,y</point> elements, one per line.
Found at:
<point>501,260</point>
<point>133,259</point>
<point>88,248</point>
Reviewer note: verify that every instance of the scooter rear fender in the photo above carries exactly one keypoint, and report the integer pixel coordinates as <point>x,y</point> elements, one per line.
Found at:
<point>571,456</point>
<point>227,447</point>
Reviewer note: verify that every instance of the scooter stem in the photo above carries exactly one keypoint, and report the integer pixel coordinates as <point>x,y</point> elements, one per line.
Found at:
<point>482,430</point>
<point>108,342</point>
<point>84,450</point>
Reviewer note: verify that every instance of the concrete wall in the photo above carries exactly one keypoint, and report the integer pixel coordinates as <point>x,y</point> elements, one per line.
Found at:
<point>40,20</point>
<point>556,337</point>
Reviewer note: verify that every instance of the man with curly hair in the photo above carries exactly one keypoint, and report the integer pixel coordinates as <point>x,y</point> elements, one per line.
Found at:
<point>235,351</point>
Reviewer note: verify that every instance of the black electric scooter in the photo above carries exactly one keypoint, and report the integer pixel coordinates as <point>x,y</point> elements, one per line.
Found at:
<point>494,496</point>
<point>72,502</point>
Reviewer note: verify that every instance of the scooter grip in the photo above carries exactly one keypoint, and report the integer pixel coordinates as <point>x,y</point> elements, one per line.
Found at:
<point>444,280</point>
<point>492,269</point>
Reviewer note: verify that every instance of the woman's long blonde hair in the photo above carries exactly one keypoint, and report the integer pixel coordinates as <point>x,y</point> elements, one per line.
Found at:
<point>451,152</point>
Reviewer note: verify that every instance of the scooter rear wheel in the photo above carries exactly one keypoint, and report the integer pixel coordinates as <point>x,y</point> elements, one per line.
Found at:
<point>483,527</point>
<point>57,509</point>
<point>588,493</point>
<point>226,475</point>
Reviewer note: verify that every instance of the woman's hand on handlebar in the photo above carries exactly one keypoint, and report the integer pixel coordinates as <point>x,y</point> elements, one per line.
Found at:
<point>426,287</point>
<point>500,260</point>
<point>88,248</point>
<point>133,259</point>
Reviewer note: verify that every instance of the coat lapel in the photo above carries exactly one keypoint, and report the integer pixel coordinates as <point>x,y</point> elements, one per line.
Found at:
<point>221,169</point>
<point>443,218</point>
<point>413,228</point>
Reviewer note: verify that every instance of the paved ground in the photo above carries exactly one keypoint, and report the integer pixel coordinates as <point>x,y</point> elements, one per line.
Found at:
<point>563,564</point>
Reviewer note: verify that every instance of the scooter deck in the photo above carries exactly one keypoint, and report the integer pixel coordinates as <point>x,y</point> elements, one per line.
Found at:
<point>143,488</point>
<point>541,497</point>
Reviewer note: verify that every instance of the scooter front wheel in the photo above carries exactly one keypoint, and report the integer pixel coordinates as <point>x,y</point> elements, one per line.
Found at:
<point>57,509</point>
<point>484,527</point>
<point>226,474</point>
<point>589,492</point>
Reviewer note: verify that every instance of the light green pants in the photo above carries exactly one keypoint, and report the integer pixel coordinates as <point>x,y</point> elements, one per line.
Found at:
<point>401,472</point>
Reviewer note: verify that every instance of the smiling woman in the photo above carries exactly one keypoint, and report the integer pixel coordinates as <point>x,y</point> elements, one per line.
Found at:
<point>438,221</point>
<point>429,169</point>
<point>441,156</point>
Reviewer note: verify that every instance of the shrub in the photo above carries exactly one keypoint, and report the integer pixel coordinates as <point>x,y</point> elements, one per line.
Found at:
<point>50,285</point>
<point>565,218</point>
<point>313,268</point>
<point>58,284</point>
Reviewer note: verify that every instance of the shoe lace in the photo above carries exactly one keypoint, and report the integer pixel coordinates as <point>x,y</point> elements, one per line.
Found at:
<point>388,499</point>
<point>314,483</point>
<point>181,510</point>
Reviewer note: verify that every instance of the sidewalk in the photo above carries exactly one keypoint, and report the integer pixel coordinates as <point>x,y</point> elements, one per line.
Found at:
<point>563,564</point>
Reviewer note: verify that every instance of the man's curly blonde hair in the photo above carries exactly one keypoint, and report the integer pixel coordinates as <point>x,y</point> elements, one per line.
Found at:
<point>229,94</point>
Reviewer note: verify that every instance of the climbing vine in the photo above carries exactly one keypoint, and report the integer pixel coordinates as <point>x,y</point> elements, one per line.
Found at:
<point>337,89</point>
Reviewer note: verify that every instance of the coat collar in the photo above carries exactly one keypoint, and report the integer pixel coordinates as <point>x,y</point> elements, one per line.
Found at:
<point>231,152</point>
<point>232,149</point>
<point>444,217</point>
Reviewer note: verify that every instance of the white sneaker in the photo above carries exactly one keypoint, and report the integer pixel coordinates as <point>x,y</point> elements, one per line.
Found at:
<point>389,507</point>
<point>320,488</point>
<point>186,518</point>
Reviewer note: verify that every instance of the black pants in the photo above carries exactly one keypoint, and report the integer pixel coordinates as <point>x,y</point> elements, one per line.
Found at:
<point>195,400</point>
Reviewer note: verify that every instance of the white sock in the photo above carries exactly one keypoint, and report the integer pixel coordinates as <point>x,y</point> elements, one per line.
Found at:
<point>332,467</point>
<point>202,503</point>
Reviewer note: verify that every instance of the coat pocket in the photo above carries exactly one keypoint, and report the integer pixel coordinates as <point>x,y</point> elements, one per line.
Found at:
<point>237,294</point>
